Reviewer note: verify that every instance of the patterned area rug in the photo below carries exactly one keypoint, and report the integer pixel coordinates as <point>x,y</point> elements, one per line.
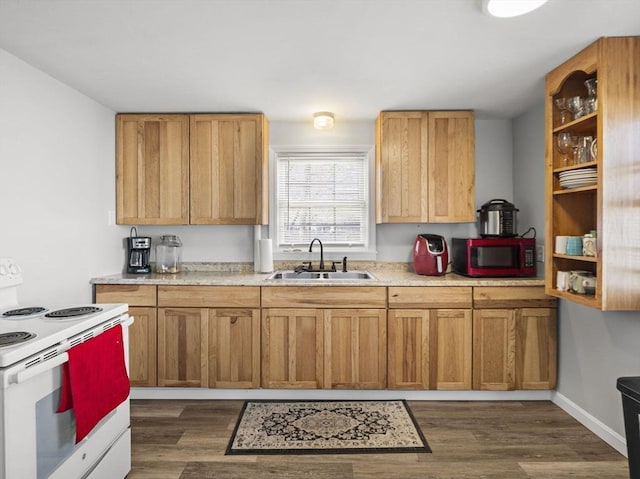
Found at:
<point>326,427</point>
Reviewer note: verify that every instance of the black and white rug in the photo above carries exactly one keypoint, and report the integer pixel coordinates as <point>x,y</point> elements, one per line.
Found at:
<point>326,427</point>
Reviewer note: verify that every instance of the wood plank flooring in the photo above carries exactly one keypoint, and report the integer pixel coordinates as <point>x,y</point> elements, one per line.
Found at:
<point>488,440</point>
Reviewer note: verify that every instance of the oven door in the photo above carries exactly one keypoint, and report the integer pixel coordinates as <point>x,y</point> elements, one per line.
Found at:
<point>37,441</point>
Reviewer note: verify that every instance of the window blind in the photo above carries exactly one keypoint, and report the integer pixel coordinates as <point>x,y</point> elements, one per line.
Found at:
<point>322,195</point>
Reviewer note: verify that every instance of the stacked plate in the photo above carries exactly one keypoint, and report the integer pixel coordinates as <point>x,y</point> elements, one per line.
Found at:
<point>577,178</point>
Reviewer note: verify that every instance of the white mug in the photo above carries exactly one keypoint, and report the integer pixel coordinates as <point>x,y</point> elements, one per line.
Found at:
<point>563,280</point>
<point>561,244</point>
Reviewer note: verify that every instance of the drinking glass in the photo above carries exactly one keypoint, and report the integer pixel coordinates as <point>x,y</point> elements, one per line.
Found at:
<point>575,105</point>
<point>561,103</point>
<point>565,145</point>
<point>591,102</point>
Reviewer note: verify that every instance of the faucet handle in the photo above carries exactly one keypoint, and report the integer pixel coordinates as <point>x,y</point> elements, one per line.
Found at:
<point>333,265</point>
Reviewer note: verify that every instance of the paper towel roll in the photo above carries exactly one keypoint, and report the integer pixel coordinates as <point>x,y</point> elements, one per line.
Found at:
<point>266,256</point>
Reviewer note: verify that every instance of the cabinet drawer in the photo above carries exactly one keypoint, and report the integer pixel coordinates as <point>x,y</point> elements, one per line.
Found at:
<point>324,297</point>
<point>133,294</point>
<point>512,297</point>
<point>209,296</point>
<point>430,297</point>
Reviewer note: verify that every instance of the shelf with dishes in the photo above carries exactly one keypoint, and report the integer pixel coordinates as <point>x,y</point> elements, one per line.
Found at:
<point>589,259</point>
<point>591,192</point>
<point>583,124</point>
<point>586,300</point>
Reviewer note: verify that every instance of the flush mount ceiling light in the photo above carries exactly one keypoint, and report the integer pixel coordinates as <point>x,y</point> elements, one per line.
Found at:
<point>323,120</point>
<point>510,8</point>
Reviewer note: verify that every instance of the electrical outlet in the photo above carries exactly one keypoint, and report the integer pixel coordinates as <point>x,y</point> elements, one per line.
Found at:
<point>540,253</point>
<point>111,217</point>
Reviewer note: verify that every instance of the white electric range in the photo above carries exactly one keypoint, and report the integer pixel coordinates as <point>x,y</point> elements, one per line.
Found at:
<point>35,440</point>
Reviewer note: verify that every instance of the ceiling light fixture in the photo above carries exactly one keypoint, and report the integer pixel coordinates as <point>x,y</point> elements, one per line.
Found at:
<point>510,8</point>
<point>323,120</point>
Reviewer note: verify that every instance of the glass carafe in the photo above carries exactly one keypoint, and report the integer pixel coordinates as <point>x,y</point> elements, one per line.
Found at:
<point>169,255</point>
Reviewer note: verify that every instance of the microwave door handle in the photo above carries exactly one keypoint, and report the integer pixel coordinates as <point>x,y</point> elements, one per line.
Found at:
<point>33,371</point>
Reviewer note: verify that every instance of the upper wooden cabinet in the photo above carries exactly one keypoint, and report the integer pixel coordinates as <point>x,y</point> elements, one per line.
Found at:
<point>192,169</point>
<point>425,167</point>
<point>229,169</point>
<point>610,205</point>
<point>152,169</point>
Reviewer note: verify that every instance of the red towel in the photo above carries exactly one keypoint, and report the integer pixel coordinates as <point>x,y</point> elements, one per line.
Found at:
<point>94,381</point>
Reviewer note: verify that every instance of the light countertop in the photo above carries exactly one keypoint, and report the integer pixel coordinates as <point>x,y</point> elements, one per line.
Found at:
<point>382,278</point>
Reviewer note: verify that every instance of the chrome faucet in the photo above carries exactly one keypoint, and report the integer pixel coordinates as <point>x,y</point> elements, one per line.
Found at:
<point>321,251</point>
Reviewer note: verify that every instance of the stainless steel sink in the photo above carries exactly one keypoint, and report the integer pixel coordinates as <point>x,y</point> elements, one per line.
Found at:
<point>328,275</point>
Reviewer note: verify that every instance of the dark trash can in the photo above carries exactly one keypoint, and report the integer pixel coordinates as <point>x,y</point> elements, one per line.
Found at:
<point>630,389</point>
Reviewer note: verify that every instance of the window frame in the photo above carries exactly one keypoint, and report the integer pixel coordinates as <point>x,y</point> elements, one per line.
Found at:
<point>368,252</point>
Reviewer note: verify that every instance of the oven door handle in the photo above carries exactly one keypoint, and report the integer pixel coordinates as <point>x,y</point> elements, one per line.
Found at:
<point>128,322</point>
<point>54,362</point>
<point>27,374</point>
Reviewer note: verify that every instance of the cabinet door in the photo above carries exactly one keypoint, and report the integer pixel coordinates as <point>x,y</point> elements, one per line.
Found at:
<point>536,348</point>
<point>451,170</point>
<point>401,167</point>
<point>182,347</point>
<point>355,350</point>
<point>292,346</point>
<point>494,349</point>
<point>408,349</point>
<point>450,355</point>
<point>229,166</point>
<point>234,348</point>
<point>152,169</point>
<point>142,347</point>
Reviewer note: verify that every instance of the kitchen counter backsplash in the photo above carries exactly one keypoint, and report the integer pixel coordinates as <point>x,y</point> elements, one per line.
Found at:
<point>242,274</point>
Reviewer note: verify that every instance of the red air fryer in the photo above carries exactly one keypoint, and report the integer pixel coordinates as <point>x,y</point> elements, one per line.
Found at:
<point>430,255</point>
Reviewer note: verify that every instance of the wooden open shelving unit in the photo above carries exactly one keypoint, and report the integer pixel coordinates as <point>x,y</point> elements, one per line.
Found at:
<point>611,207</point>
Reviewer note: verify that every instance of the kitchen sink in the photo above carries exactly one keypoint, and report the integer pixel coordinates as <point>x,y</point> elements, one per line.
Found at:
<point>320,276</point>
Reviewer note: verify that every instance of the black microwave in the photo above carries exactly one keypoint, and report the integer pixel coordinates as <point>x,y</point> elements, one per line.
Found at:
<point>486,257</point>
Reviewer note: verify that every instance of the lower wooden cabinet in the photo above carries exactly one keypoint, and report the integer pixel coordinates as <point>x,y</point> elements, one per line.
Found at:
<point>450,354</point>
<point>319,348</point>
<point>182,347</point>
<point>494,349</point>
<point>430,345</point>
<point>292,348</point>
<point>408,349</point>
<point>142,347</point>
<point>412,338</point>
<point>205,347</point>
<point>142,333</point>
<point>355,348</point>
<point>536,348</point>
<point>234,348</point>
<point>514,347</point>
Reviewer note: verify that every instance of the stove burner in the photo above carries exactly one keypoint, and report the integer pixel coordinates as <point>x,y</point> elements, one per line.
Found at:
<point>23,312</point>
<point>72,312</point>
<point>9,339</point>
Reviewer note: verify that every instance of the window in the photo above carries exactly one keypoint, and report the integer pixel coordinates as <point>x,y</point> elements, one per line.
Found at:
<point>323,194</point>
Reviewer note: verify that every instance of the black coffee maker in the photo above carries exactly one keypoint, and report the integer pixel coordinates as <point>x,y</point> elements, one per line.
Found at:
<point>138,253</point>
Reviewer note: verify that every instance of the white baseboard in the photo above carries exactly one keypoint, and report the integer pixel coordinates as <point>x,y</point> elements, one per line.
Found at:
<point>302,394</point>
<point>596,426</point>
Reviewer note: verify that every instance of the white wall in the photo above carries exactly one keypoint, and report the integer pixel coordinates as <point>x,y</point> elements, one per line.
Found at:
<point>56,185</point>
<point>595,347</point>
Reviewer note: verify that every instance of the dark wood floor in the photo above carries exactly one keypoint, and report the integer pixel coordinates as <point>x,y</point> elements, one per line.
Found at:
<point>488,440</point>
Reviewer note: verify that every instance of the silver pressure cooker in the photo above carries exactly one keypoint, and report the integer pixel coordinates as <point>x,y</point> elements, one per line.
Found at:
<point>498,218</point>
